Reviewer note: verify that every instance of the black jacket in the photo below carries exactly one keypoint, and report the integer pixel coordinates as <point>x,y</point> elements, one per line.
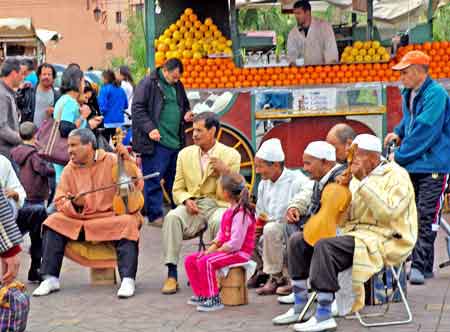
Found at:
<point>148,102</point>
<point>26,102</point>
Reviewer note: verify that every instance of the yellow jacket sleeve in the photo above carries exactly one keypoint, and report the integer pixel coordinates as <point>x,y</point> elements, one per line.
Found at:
<point>179,189</point>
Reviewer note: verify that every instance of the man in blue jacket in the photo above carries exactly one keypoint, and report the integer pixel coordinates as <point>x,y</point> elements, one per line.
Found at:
<point>424,139</point>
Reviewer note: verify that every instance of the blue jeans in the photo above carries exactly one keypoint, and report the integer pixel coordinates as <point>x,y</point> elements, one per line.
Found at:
<point>164,161</point>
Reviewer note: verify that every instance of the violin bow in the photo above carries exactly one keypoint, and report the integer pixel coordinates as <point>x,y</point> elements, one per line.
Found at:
<point>145,177</point>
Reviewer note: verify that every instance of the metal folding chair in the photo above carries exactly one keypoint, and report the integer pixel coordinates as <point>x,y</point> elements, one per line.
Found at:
<point>396,275</point>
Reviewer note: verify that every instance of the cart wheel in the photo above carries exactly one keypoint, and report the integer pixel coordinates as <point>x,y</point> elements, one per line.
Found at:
<point>234,139</point>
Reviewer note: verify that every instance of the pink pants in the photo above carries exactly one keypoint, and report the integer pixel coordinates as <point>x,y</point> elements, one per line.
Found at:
<point>201,271</point>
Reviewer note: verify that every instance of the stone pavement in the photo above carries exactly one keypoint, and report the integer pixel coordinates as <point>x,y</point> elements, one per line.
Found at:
<point>80,307</point>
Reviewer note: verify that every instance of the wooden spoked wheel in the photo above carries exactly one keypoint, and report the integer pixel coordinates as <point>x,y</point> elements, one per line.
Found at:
<point>237,141</point>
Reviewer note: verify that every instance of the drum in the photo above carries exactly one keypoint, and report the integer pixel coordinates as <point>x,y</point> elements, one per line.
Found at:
<point>233,288</point>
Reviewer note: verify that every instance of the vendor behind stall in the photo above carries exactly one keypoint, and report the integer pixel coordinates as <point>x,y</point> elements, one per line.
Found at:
<point>312,39</point>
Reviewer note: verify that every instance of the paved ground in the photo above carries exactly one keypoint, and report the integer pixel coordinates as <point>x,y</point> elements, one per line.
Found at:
<point>80,307</point>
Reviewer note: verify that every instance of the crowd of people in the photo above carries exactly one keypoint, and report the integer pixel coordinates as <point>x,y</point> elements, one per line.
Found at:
<point>391,215</point>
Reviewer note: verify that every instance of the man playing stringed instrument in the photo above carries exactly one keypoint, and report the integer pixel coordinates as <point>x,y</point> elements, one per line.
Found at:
<point>89,217</point>
<point>380,229</point>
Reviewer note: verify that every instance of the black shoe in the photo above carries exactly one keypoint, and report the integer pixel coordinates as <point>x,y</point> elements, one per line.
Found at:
<point>34,276</point>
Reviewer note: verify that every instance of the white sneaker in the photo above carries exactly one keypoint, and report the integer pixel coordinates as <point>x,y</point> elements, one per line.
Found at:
<point>127,288</point>
<point>287,318</point>
<point>47,286</point>
<point>334,309</point>
<point>287,299</point>
<point>312,325</point>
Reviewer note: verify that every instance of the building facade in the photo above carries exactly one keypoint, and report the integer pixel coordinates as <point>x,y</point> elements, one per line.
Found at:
<point>93,31</point>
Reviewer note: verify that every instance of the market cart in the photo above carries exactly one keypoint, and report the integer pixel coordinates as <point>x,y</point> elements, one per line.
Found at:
<point>260,100</point>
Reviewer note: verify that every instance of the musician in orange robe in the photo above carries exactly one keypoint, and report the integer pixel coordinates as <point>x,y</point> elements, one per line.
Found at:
<point>89,217</point>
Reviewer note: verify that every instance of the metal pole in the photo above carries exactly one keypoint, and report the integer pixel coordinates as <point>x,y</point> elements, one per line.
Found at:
<point>235,33</point>
<point>150,32</point>
<point>369,19</point>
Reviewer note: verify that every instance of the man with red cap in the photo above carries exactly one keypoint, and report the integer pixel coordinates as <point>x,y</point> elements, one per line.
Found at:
<point>423,137</point>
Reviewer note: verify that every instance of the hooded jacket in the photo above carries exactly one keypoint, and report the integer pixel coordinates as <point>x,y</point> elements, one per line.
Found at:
<point>34,172</point>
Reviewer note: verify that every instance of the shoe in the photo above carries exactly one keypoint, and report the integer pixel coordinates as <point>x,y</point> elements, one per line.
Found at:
<point>127,288</point>
<point>292,317</point>
<point>334,309</point>
<point>47,286</point>
<point>196,300</point>
<point>284,290</point>
<point>271,286</point>
<point>416,277</point>
<point>428,275</point>
<point>258,279</point>
<point>34,276</point>
<point>211,304</point>
<point>287,299</point>
<point>312,325</point>
<point>170,286</point>
<point>158,222</point>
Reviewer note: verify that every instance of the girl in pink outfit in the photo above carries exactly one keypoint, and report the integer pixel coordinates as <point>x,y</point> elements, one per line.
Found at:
<point>233,244</point>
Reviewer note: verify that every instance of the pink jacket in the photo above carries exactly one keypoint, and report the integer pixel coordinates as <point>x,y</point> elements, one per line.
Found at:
<point>236,231</point>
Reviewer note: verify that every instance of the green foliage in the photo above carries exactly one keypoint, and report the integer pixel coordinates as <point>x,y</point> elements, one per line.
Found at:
<point>272,18</point>
<point>137,48</point>
<point>441,23</point>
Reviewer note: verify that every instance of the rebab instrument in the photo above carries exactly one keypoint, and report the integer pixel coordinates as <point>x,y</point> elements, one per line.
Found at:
<point>335,200</point>
<point>128,199</point>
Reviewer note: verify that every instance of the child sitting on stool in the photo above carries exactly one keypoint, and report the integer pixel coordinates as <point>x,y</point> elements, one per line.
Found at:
<point>233,244</point>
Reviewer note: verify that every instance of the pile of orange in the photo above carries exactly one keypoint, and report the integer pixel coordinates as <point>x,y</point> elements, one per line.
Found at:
<point>439,51</point>
<point>222,73</point>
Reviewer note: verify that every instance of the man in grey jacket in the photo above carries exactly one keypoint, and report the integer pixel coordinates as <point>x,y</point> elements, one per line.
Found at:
<point>10,79</point>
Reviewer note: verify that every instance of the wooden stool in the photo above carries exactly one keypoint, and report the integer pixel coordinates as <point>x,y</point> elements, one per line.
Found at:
<point>99,257</point>
<point>233,287</point>
<point>101,277</point>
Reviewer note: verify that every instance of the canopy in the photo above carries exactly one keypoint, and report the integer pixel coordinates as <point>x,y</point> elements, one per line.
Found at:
<point>384,10</point>
<point>48,35</point>
<point>16,28</point>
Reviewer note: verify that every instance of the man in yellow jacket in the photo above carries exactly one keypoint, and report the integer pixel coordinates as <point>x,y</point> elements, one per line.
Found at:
<point>381,229</point>
<point>196,191</point>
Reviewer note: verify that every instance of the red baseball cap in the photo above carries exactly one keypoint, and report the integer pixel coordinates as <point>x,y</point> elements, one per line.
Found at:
<point>412,58</point>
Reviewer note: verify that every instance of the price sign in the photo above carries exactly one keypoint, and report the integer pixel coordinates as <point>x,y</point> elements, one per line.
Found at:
<point>315,99</point>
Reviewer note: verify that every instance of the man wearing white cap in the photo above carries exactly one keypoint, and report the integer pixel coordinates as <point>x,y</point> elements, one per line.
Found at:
<point>381,229</point>
<point>278,185</point>
<point>319,160</point>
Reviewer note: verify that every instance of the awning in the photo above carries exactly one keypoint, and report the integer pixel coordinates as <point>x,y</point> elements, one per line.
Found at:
<point>16,28</point>
<point>384,10</point>
<point>48,35</point>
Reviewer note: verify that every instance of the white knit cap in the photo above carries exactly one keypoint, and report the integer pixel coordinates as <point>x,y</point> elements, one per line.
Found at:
<point>271,150</point>
<point>368,142</point>
<point>321,150</point>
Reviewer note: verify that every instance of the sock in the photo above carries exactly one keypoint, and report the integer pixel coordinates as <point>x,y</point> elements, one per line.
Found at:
<point>323,311</point>
<point>300,290</point>
<point>172,271</point>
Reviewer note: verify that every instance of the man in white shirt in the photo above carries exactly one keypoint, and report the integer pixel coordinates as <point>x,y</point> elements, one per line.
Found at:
<point>277,187</point>
<point>312,39</point>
